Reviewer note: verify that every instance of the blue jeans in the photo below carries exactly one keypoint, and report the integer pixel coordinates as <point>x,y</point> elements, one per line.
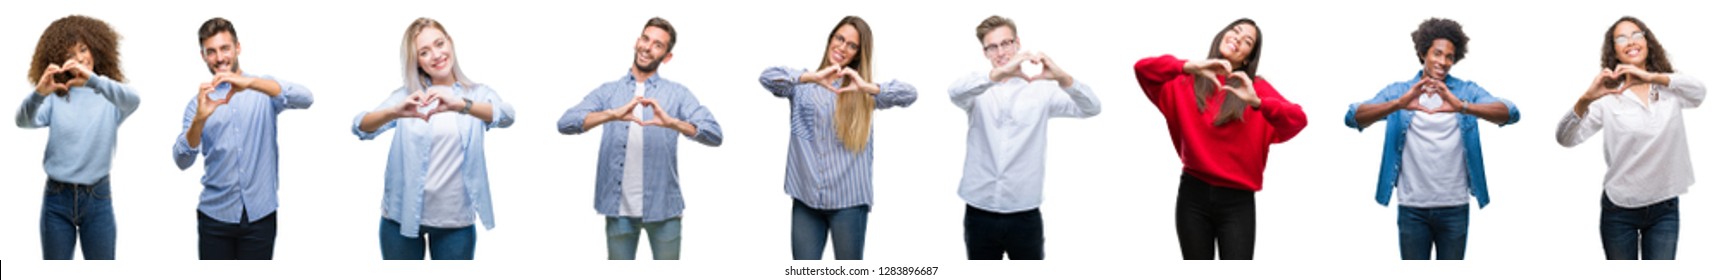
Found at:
<point>991,235</point>
<point>1653,230</point>
<point>445,243</point>
<point>1443,229</point>
<point>808,227</point>
<point>72,212</point>
<point>624,237</point>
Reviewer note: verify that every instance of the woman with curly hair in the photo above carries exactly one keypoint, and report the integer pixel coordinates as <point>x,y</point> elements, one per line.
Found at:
<point>1636,102</point>
<point>79,93</point>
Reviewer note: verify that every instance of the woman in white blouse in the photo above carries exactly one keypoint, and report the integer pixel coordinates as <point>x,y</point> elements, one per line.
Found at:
<point>1636,102</point>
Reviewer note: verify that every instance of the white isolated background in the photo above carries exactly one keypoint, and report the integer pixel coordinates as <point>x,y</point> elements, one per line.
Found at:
<point>1111,179</point>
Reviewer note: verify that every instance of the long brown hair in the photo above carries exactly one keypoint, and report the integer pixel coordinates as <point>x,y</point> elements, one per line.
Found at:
<point>853,118</point>
<point>1233,107</point>
<point>56,43</point>
<point>1656,61</point>
<point>415,78</point>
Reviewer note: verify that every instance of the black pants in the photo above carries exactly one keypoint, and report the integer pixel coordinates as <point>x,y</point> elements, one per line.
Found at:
<point>246,240</point>
<point>1209,215</point>
<point>990,235</point>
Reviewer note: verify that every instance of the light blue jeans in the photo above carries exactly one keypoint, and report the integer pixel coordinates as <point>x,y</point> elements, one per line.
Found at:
<point>624,237</point>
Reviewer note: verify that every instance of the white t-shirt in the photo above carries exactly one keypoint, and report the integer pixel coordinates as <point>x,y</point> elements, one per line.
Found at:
<point>445,204</point>
<point>1432,163</point>
<point>634,162</point>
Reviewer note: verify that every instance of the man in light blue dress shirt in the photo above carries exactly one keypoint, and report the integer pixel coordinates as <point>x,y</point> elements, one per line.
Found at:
<point>231,122</point>
<point>638,186</point>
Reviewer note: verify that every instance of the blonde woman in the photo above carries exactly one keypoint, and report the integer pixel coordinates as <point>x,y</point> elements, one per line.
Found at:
<point>436,184</point>
<point>830,169</point>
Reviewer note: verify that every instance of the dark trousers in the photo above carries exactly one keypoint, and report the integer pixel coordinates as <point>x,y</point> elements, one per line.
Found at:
<point>246,240</point>
<point>991,235</point>
<point>1210,216</point>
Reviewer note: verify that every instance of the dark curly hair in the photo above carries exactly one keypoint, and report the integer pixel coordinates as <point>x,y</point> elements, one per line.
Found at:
<point>1655,61</point>
<point>56,43</point>
<point>1440,28</point>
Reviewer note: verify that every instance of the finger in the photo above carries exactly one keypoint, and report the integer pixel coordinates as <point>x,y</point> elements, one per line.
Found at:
<point>829,87</point>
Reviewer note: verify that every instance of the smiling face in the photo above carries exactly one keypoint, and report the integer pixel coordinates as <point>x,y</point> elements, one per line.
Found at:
<point>81,53</point>
<point>1630,45</point>
<point>844,45</point>
<point>651,49</point>
<point>1000,45</point>
<point>435,54</point>
<point>1238,42</point>
<point>221,53</point>
<point>1438,59</point>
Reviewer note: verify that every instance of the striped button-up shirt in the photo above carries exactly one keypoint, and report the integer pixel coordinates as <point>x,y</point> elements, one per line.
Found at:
<point>663,188</point>
<point>821,173</point>
<point>240,155</point>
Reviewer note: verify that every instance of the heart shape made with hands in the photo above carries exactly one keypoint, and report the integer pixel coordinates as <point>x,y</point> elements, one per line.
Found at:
<point>431,102</point>
<point>1032,69</point>
<point>222,91</point>
<point>1233,107</point>
<point>64,77</point>
<point>1429,98</point>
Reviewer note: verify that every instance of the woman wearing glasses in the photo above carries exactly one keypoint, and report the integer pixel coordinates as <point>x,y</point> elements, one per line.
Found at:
<point>436,183</point>
<point>1636,102</point>
<point>830,169</point>
<point>1221,123</point>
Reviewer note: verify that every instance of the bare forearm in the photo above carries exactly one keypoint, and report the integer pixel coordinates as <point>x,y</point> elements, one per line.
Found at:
<point>1370,113</point>
<point>482,111</point>
<point>686,128</point>
<point>594,119</point>
<point>1582,107</point>
<point>267,86</point>
<point>194,133</point>
<point>375,120</point>
<point>1495,112</point>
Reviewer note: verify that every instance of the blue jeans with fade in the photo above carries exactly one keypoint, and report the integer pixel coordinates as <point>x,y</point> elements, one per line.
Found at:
<point>1442,229</point>
<point>808,228</point>
<point>445,243</point>
<point>1653,231</point>
<point>623,239</point>
<point>73,213</point>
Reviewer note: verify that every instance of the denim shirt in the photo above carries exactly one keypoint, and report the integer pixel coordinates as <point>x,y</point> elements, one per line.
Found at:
<point>1399,121</point>
<point>409,157</point>
<point>663,188</point>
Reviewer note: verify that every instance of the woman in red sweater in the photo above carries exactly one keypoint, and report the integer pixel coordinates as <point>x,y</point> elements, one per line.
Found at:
<point>1221,127</point>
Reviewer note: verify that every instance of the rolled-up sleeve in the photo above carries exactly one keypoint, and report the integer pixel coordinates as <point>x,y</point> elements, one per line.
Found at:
<point>894,94</point>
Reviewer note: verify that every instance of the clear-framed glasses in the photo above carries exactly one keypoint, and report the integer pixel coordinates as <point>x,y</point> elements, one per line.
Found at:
<point>1623,39</point>
<point>851,46</point>
<point>1008,45</point>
